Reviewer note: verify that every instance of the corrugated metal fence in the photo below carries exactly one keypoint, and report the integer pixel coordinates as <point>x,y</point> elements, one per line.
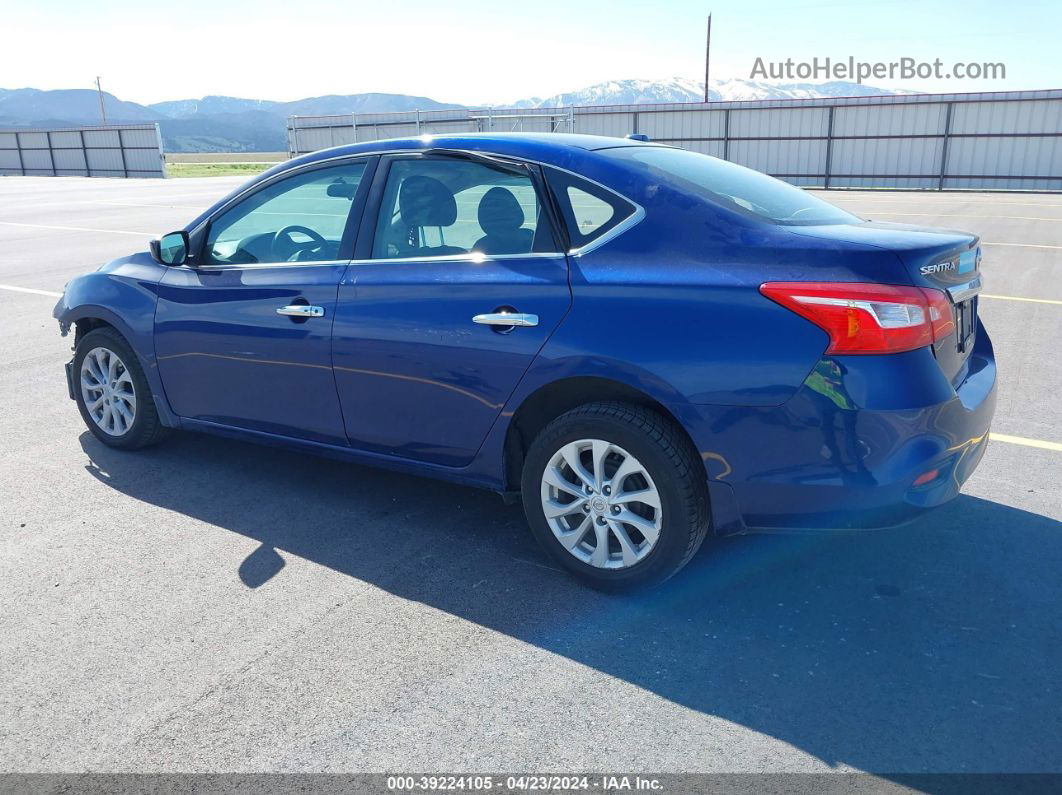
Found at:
<point>126,150</point>
<point>991,141</point>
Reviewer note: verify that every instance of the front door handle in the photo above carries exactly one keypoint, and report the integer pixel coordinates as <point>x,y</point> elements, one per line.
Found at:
<point>506,319</point>
<point>301,310</point>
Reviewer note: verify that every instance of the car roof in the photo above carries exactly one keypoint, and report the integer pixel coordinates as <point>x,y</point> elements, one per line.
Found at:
<point>565,150</point>
<point>544,147</point>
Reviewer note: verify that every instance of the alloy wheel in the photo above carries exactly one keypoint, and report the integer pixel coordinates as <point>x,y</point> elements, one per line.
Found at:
<point>601,504</point>
<point>107,391</point>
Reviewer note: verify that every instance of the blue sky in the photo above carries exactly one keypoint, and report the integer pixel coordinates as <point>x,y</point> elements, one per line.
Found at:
<point>475,51</point>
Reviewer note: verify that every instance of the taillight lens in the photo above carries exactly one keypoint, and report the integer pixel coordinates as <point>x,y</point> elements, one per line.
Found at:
<point>940,314</point>
<point>868,318</point>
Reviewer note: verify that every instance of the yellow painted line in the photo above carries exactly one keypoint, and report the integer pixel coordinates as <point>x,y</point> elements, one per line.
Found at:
<point>81,229</point>
<point>1040,443</point>
<point>14,289</point>
<point>994,203</point>
<point>968,215</point>
<point>1017,298</point>
<point>1021,245</point>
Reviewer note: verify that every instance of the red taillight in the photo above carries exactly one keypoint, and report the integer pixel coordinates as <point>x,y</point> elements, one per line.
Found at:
<point>868,318</point>
<point>940,314</point>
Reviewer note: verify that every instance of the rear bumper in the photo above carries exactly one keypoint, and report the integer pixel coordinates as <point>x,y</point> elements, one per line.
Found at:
<point>846,451</point>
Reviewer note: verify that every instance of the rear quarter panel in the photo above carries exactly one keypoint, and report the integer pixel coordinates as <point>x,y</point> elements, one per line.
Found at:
<point>677,297</point>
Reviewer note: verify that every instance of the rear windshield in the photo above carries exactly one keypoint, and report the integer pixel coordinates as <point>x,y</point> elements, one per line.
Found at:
<point>732,186</point>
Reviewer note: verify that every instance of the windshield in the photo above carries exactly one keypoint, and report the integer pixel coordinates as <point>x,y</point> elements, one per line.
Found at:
<point>734,187</point>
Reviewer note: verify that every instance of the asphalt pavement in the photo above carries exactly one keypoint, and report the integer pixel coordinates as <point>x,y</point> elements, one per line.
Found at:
<point>209,605</point>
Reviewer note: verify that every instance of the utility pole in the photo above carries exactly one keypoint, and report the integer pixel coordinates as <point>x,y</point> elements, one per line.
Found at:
<point>103,112</point>
<point>707,55</point>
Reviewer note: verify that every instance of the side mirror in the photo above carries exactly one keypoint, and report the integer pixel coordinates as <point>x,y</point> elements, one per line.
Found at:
<point>171,249</point>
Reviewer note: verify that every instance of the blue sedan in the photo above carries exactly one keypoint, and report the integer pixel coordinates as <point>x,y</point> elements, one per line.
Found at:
<point>644,344</point>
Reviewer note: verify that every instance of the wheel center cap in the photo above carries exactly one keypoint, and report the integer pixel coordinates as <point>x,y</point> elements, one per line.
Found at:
<point>599,504</point>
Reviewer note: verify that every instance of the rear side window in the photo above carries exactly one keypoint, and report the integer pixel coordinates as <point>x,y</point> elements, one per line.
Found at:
<point>589,211</point>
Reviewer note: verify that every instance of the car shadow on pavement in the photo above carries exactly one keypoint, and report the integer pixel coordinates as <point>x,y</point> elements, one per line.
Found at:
<point>932,647</point>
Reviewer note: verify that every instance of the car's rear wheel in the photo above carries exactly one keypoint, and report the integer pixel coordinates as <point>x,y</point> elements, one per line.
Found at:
<point>112,393</point>
<point>615,493</point>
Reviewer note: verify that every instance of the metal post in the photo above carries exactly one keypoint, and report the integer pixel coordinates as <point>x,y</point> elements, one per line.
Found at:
<point>84,153</point>
<point>354,125</point>
<point>707,54</point>
<point>158,142</point>
<point>21,162</point>
<point>726,134</point>
<point>944,147</point>
<point>634,123</point>
<point>103,110</point>
<point>829,147</point>
<point>418,120</point>
<point>51,155</point>
<point>121,151</point>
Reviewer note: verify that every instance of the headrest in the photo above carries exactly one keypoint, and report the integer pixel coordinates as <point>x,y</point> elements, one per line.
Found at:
<point>424,201</point>
<point>500,212</point>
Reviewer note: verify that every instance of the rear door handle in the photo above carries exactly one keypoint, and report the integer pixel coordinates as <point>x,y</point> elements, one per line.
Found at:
<point>301,310</point>
<point>506,319</point>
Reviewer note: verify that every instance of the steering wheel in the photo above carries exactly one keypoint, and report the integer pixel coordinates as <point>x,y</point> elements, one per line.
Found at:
<point>287,249</point>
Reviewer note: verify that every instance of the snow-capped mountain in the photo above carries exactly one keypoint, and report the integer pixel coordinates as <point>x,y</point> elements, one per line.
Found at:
<point>682,89</point>
<point>234,124</point>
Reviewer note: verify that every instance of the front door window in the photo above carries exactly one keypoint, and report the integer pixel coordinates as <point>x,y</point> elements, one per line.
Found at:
<point>299,219</point>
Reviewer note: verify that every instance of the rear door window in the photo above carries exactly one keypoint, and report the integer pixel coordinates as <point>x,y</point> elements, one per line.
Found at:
<point>452,206</point>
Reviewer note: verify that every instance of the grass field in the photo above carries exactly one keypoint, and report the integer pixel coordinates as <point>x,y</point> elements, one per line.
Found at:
<point>215,169</point>
<point>225,157</point>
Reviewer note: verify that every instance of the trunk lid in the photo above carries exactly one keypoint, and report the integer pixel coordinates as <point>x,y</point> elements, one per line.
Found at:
<point>942,259</point>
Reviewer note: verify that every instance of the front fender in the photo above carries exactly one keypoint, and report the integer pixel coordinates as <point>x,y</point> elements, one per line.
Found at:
<point>122,294</point>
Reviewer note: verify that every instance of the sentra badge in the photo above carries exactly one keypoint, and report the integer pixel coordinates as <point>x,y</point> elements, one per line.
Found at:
<point>939,267</point>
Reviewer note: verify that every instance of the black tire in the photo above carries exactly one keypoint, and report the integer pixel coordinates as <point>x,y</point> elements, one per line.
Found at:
<point>672,463</point>
<point>146,428</point>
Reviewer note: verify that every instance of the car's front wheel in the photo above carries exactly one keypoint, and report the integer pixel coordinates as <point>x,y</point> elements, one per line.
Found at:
<point>616,494</point>
<point>112,393</point>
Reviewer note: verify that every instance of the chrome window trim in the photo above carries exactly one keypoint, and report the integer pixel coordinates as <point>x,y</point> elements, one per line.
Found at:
<point>324,263</point>
<point>628,223</point>
<point>471,256</point>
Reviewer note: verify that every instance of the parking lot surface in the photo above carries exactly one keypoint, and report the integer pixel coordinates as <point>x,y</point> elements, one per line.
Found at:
<point>209,605</point>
